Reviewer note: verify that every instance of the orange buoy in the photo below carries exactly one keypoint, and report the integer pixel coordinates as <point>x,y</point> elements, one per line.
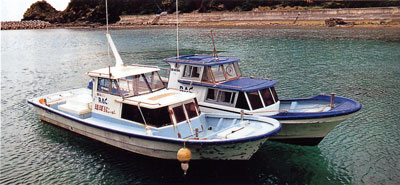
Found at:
<point>184,155</point>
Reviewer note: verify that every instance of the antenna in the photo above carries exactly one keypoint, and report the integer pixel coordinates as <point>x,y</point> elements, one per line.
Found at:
<point>108,46</point>
<point>177,31</point>
<point>215,50</point>
<point>107,17</point>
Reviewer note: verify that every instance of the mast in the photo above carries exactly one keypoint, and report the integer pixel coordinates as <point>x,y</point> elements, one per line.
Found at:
<point>108,46</point>
<point>177,31</point>
<point>215,50</point>
<point>118,60</point>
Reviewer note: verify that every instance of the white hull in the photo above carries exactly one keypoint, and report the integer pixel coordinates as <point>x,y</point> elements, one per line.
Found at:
<point>308,128</point>
<point>154,148</point>
<point>314,128</point>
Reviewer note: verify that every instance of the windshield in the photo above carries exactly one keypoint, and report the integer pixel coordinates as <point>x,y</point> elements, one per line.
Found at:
<point>186,111</point>
<point>154,81</point>
<point>140,84</point>
<point>225,72</point>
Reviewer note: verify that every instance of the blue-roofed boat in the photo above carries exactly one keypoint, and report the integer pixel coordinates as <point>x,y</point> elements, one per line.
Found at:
<point>130,108</point>
<point>221,88</point>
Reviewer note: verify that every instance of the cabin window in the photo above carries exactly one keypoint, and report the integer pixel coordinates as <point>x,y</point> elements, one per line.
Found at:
<point>274,94</point>
<point>197,105</point>
<point>225,96</point>
<point>233,98</point>
<point>139,84</point>
<point>241,102</point>
<point>218,73</point>
<point>106,85</point>
<point>142,85</point>
<point>230,71</point>
<point>179,113</point>
<point>206,75</point>
<point>255,100</point>
<point>191,72</point>
<point>237,69</point>
<point>126,87</point>
<point>154,117</point>
<point>221,97</point>
<point>267,97</point>
<point>154,81</point>
<point>191,110</point>
<point>211,94</point>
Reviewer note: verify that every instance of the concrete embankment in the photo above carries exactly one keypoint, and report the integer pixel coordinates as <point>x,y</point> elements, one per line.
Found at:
<point>381,15</point>
<point>15,25</point>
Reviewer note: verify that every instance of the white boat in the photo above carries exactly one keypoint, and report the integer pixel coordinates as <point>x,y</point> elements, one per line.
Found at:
<point>129,107</point>
<point>221,88</point>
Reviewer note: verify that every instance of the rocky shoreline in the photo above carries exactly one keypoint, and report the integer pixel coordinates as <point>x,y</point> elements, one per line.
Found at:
<point>222,26</point>
<point>378,17</point>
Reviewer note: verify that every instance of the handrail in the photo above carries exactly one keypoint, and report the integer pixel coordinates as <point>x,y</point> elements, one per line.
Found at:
<point>143,65</point>
<point>214,84</point>
<point>91,72</point>
<point>201,62</point>
<point>119,101</point>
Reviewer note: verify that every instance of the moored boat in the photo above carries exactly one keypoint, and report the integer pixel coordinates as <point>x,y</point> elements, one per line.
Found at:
<point>221,87</point>
<point>129,107</point>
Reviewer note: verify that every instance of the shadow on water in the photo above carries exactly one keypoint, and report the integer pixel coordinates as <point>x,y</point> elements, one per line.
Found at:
<point>274,163</point>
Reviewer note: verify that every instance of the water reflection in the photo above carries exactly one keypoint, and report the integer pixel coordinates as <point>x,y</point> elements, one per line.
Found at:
<point>359,63</point>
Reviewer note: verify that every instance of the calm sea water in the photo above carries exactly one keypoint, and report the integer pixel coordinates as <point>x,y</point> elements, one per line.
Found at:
<point>363,64</point>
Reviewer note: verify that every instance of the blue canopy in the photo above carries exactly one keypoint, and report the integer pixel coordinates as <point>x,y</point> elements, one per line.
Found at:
<point>243,84</point>
<point>203,60</point>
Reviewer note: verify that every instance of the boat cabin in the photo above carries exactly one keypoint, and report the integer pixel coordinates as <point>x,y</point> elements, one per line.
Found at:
<point>137,94</point>
<point>219,84</point>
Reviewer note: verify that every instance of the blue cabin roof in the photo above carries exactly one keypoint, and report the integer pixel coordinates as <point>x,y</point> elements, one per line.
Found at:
<point>243,84</point>
<point>203,60</point>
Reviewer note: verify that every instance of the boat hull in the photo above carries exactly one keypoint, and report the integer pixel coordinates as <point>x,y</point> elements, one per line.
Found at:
<point>308,128</point>
<point>154,148</point>
<point>307,131</point>
<point>303,127</point>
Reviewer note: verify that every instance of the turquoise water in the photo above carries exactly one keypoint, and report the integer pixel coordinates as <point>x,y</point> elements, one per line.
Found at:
<point>363,64</point>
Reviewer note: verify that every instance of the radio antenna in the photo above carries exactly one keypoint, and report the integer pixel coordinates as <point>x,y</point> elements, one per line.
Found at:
<point>215,50</point>
<point>177,31</point>
<point>108,46</point>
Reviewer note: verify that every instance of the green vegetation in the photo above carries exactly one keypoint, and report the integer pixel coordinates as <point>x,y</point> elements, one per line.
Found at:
<point>93,11</point>
<point>40,10</point>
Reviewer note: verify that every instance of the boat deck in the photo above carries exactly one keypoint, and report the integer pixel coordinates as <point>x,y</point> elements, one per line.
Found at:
<point>211,127</point>
<point>316,107</point>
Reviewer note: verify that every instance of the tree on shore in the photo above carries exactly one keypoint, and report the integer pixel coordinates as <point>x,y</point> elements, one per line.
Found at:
<point>93,11</point>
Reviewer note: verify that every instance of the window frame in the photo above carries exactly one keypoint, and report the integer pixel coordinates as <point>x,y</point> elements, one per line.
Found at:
<point>132,113</point>
<point>190,77</point>
<point>111,85</point>
<point>237,69</point>
<point>186,114</point>
<point>152,75</point>
<point>218,96</point>
<point>135,82</point>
